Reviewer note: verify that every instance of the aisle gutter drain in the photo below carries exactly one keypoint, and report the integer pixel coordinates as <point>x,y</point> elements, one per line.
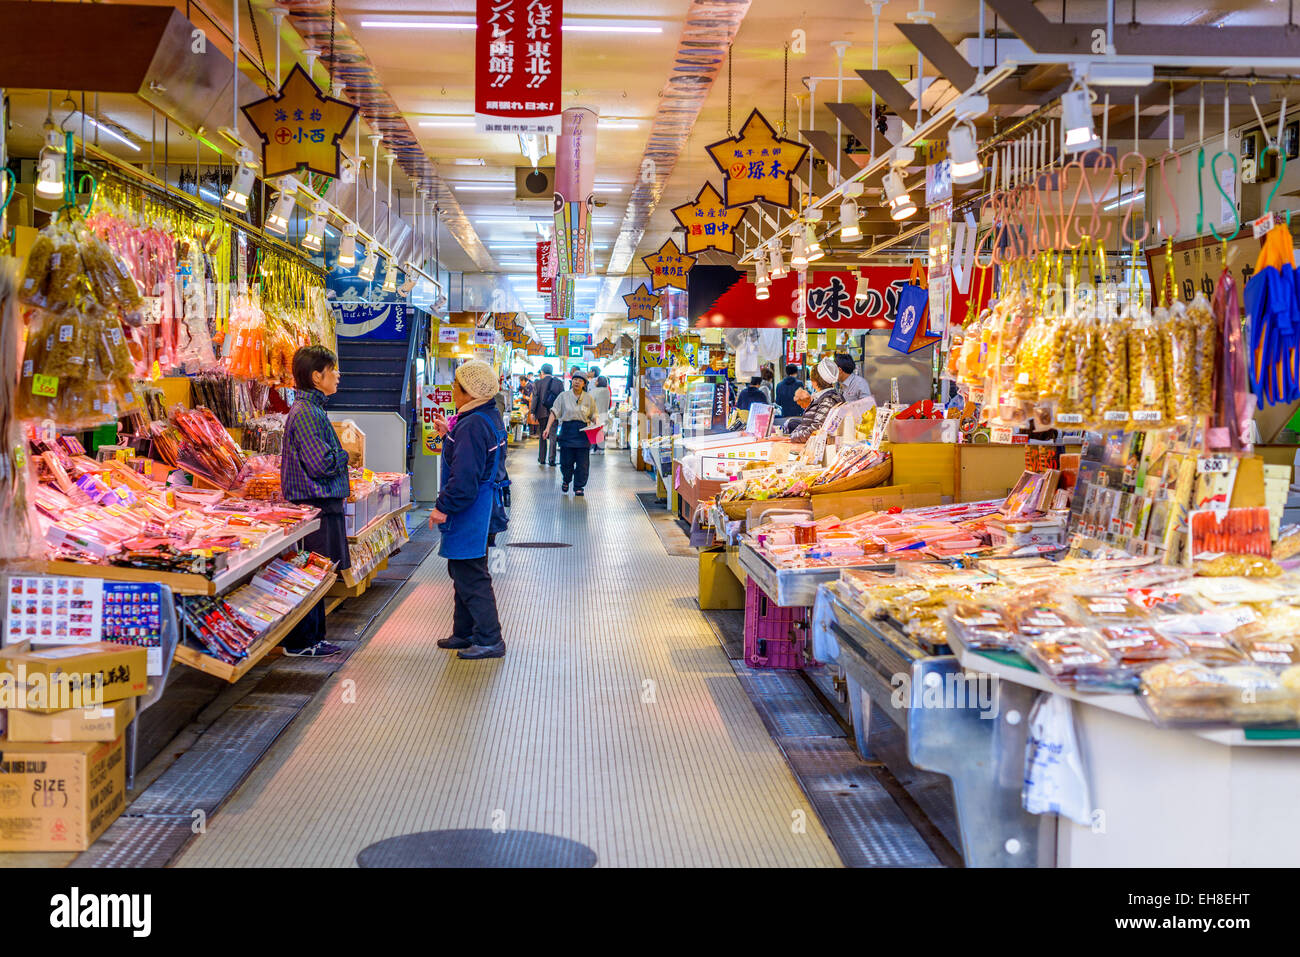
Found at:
<point>477,848</point>
<point>538,545</point>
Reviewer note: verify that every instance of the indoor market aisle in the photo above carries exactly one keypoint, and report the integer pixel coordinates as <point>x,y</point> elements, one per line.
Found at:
<point>614,720</point>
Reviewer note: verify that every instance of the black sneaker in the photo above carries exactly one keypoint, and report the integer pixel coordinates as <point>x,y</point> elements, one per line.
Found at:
<point>322,649</point>
<point>483,651</point>
<point>578,492</point>
<point>454,642</point>
<point>564,487</point>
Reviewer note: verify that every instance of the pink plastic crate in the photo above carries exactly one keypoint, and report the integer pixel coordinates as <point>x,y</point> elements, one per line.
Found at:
<point>774,635</point>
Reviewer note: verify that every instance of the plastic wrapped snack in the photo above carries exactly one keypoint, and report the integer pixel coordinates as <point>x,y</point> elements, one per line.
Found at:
<point>1134,645</point>
<point>1067,654</point>
<point>1206,636</point>
<point>1185,692</point>
<point>983,626</point>
<point>1112,372</point>
<point>35,282</point>
<point>1206,331</point>
<point>1178,341</point>
<point>1148,397</point>
<point>1110,609</point>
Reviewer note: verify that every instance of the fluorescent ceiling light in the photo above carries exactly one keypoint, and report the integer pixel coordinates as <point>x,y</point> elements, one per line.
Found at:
<point>483,187</point>
<point>109,131</point>
<point>613,124</point>
<point>448,124</point>
<point>595,28</point>
<point>1116,204</point>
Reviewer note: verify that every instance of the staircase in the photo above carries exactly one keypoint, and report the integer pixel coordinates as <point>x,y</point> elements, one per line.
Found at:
<point>377,373</point>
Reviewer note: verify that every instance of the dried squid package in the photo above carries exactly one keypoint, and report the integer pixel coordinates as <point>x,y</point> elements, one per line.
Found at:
<point>1206,332</point>
<point>1178,344</point>
<point>1112,371</point>
<point>1148,390</point>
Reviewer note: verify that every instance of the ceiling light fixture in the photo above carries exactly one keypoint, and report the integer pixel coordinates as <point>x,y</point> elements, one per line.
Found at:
<point>314,238</point>
<point>110,131</point>
<point>483,187</point>
<point>390,277</point>
<point>963,153</point>
<point>278,222</point>
<point>812,248</point>
<point>798,253</point>
<point>849,228</point>
<point>1076,119</point>
<point>900,203</point>
<point>241,184</point>
<point>348,247</point>
<point>49,168</point>
<point>367,271</point>
<point>447,124</point>
<point>775,262</point>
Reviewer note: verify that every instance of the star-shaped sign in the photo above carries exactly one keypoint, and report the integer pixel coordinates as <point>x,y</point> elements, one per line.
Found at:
<point>709,224</point>
<point>641,304</point>
<point>603,349</point>
<point>669,266</point>
<point>758,164</point>
<point>535,348</point>
<point>300,127</point>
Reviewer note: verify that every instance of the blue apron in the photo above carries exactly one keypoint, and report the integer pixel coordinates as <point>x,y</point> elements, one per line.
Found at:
<point>465,534</point>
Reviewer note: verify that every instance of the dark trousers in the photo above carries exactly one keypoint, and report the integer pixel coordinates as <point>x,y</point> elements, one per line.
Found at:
<point>330,540</point>
<point>475,614</point>
<point>546,447</point>
<point>574,464</point>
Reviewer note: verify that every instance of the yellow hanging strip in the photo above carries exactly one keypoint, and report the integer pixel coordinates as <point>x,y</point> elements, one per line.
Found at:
<point>1169,272</point>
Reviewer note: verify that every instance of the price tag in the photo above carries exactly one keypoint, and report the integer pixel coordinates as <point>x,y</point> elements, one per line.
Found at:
<point>45,385</point>
<point>155,373</point>
<point>1069,418</point>
<point>1261,226</point>
<point>153,311</point>
<point>1001,435</point>
<point>485,337</point>
<point>1213,465</point>
<point>1149,415</point>
<point>368,475</point>
<point>449,336</point>
<point>1114,416</point>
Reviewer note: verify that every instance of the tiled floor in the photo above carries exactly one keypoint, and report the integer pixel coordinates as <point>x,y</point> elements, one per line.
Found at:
<point>614,720</point>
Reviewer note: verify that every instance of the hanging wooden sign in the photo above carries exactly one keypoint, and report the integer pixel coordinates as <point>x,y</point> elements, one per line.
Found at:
<point>708,222</point>
<point>758,164</point>
<point>603,349</point>
<point>669,266</point>
<point>641,303</point>
<point>300,127</point>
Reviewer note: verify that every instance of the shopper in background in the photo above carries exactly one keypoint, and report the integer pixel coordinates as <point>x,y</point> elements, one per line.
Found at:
<point>852,385</point>
<point>573,411</point>
<point>825,374</point>
<point>601,394</point>
<point>503,404</point>
<point>545,392</point>
<point>768,385</point>
<point>470,508</point>
<point>785,392</point>
<point>751,394</point>
<point>314,471</point>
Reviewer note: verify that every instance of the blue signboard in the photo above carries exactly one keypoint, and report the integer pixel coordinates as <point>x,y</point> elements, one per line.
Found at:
<point>373,320</point>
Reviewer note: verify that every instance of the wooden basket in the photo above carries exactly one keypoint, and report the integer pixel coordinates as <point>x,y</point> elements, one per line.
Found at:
<point>739,508</point>
<point>878,474</point>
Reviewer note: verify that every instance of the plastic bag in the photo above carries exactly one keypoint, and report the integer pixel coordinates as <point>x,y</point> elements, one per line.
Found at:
<point>1055,782</point>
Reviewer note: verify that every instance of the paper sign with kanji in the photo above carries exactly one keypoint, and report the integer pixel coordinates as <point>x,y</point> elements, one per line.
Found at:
<point>669,266</point>
<point>300,127</point>
<point>517,66</point>
<point>709,224</point>
<point>758,164</point>
<point>641,304</point>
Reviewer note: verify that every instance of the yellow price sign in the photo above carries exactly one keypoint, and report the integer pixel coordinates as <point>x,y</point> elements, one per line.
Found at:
<point>46,385</point>
<point>368,475</point>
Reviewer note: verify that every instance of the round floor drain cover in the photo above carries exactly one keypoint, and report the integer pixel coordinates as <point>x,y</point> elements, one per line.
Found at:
<point>538,545</point>
<point>477,848</point>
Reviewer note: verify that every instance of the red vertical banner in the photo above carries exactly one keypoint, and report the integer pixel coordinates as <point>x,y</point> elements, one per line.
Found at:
<point>517,66</point>
<point>545,266</point>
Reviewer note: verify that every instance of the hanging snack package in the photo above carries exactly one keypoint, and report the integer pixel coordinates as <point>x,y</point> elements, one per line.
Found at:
<point>35,282</point>
<point>36,397</point>
<point>1147,385</point>
<point>1112,371</point>
<point>1178,343</point>
<point>67,279</point>
<point>1206,332</point>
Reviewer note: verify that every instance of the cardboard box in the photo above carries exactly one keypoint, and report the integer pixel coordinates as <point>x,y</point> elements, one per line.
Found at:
<point>718,586</point>
<point>925,462</point>
<point>59,797</point>
<point>846,505</point>
<point>353,441</point>
<point>76,724</point>
<point>62,677</point>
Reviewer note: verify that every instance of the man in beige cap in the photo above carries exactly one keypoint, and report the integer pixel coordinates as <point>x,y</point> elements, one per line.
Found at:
<point>470,507</point>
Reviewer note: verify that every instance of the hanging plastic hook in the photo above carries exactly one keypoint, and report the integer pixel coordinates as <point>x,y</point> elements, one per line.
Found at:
<point>1164,187</point>
<point>63,126</point>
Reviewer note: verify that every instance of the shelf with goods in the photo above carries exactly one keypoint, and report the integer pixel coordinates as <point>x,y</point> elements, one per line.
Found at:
<point>371,549</point>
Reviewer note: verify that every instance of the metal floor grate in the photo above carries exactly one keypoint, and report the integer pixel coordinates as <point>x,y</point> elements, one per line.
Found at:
<point>138,842</point>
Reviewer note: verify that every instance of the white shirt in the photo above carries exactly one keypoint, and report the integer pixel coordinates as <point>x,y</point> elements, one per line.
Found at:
<point>569,406</point>
<point>601,396</point>
<point>855,387</point>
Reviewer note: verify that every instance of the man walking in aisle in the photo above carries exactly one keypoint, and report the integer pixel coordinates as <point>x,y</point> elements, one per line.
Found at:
<point>545,392</point>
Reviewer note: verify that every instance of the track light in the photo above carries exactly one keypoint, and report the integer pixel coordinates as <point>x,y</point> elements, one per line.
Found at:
<point>761,293</point>
<point>775,262</point>
<point>849,228</point>
<point>900,204</point>
<point>241,184</point>
<point>277,222</point>
<point>314,239</point>
<point>798,254</point>
<point>49,168</point>
<point>367,271</point>
<point>812,248</point>
<point>964,154</point>
<point>390,277</point>
<point>1076,118</point>
<point>347,247</point>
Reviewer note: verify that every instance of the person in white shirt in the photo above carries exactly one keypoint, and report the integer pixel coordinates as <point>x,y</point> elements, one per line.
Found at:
<point>852,385</point>
<point>573,412</point>
<point>600,392</point>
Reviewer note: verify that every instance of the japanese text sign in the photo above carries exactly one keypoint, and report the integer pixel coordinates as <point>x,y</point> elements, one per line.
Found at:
<point>641,303</point>
<point>518,52</point>
<point>300,127</point>
<point>709,224</point>
<point>758,164</point>
<point>668,266</point>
